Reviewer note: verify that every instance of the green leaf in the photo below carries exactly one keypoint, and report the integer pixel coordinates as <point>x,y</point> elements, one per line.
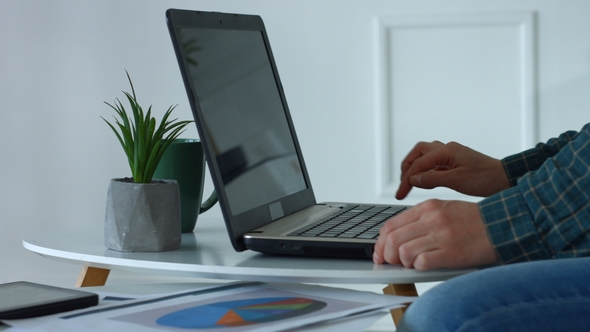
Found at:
<point>144,141</point>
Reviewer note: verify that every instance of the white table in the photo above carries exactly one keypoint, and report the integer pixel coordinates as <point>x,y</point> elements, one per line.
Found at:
<point>208,253</point>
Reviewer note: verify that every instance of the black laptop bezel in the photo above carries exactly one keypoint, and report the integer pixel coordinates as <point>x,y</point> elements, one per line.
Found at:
<point>237,225</point>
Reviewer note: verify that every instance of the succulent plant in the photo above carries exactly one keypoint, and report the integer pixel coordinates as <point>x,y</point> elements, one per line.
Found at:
<point>142,139</point>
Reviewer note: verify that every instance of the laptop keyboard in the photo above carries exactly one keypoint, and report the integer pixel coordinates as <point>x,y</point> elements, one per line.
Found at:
<point>356,222</point>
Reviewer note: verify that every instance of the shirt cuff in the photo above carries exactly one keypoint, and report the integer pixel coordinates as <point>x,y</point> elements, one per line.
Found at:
<point>510,227</point>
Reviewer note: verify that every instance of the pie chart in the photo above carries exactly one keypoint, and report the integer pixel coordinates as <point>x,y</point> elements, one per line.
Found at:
<point>240,312</point>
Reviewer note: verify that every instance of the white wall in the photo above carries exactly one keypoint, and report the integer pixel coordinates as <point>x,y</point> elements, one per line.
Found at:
<point>59,60</point>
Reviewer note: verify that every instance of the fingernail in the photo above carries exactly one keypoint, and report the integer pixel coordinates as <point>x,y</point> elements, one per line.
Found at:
<point>417,179</point>
<point>376,258</point>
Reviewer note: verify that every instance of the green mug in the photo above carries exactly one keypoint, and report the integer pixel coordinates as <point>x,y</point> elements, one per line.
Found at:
<point>184,162</point>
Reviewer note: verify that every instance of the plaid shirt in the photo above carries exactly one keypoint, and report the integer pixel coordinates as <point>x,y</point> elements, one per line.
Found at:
<point>546,213</point>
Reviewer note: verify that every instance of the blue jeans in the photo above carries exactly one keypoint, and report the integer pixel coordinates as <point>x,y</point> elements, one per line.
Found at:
<point>552,295</point>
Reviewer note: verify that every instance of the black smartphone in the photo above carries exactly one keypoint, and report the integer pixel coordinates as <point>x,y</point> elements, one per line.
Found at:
<point>24,299</point>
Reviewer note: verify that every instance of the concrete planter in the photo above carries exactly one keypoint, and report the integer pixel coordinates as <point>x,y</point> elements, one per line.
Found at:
<point>142,216</point>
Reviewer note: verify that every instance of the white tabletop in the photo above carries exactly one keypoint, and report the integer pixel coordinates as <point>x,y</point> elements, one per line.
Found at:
<point>208,253</point>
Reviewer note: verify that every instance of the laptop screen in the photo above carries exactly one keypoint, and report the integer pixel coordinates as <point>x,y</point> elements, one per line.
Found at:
<point>244,115</point>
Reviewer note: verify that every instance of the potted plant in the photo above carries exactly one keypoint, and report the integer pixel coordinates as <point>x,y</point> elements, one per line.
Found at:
<point>143,214</point>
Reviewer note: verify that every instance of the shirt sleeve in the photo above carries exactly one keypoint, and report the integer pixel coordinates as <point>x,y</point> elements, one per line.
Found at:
<point>547,213</point>
<point>521,163</point>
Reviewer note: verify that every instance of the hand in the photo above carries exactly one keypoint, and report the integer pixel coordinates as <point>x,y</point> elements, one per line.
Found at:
<point>451,165</point>
<point>435,234</point>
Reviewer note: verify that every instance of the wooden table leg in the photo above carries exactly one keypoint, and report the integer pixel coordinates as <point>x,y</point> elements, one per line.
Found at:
<point>92,276</point>
<point>401,290</point>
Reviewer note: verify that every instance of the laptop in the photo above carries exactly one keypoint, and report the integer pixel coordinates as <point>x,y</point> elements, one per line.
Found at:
<point>251,146</point>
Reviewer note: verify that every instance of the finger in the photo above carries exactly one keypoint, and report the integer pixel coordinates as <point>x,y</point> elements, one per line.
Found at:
<point>433,259</point>
<point>421,242</point>
<point>405,236</point>
<point>418,151</point>
<point>439,258</point>
<point>391,225</point>
<point>379,246</point>
<point>439,177</point>
<point>403,190</point>
<point>438,159</point>
<point>396,232</point>
<point>403,244</point>
<point>401,219</point>
<point>413,176</point>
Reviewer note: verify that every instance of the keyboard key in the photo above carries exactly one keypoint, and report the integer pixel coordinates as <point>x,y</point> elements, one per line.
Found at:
<point>362,221</point>
<point>366,236</point>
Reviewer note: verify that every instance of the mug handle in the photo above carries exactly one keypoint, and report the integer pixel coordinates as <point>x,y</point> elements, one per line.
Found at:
<point>209,203</point>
